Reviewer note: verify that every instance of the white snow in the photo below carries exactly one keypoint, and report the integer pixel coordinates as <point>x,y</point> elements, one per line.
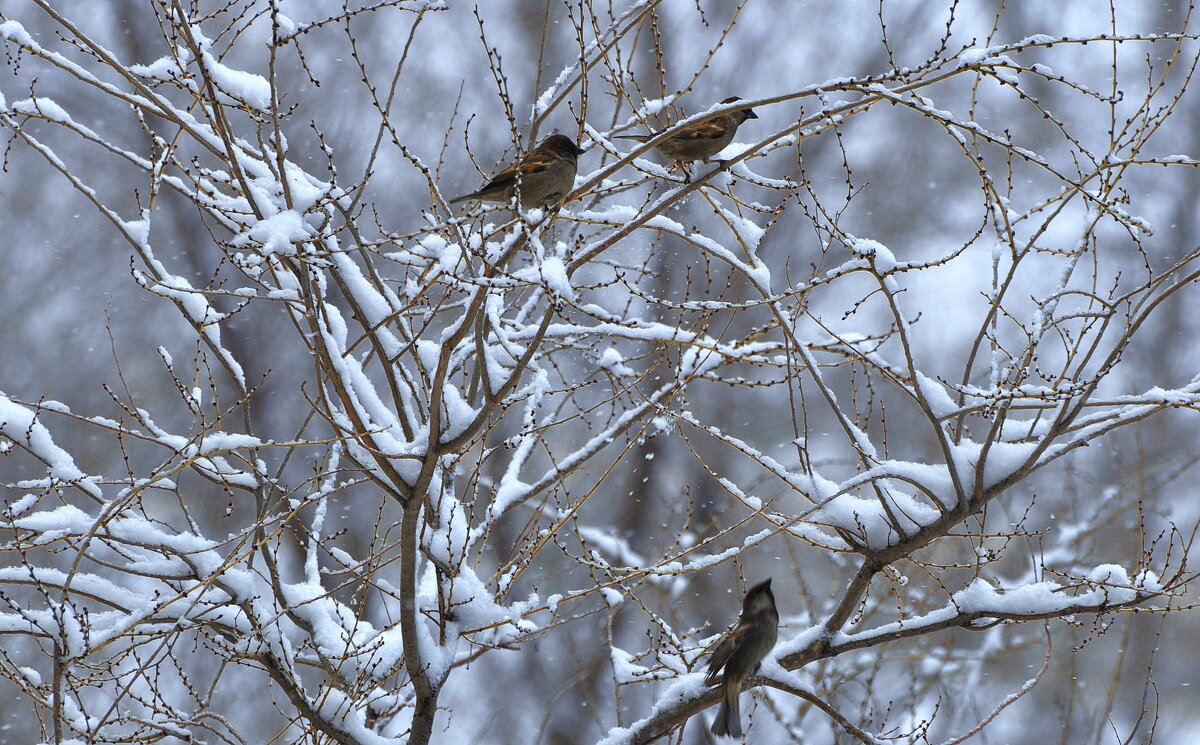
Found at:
<point>278,233</point>
<point>611,360</point>
<point>21,425</point>
<point>880,256</point>
<point>253,90</point>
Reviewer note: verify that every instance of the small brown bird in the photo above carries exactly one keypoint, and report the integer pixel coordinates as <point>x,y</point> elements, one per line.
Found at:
<point>740,653</point>
<point>702,140</point>
<point>543,176</point>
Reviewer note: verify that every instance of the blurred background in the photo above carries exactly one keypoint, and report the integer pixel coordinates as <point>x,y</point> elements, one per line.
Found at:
<point>74,321</point>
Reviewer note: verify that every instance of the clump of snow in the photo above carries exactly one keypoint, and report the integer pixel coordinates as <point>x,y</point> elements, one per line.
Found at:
<point>1148,581</point>
<point>67,519</point>
<point>227,441</point>
<point>611,360</point>
<point>554,273</point>
<point>251,89</point>
<point>1035,39</point>
<point>880,256</point>
<point>163,68</point>
<point>652,106</point>
<point>459,413</point>
<point>936,396</point>
<point>15,32</point>
<point>17,508</point>
<point>449,541</point>
<point>338,708</point>
<point>625,670</point>
<point>972,56</point>
<point>612,596</point>
<point>20,424</point>
<point>1114,583</point>
<point>286,25</point>
<point>279,232</point>
<point>43,107</point>
<point>1109,574</point>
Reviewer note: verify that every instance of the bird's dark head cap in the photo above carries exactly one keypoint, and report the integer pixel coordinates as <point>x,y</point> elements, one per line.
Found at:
<point>562,144</point>
<point>749,115</point>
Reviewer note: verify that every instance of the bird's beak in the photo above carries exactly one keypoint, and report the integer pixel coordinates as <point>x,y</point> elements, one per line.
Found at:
<point>750,114</point>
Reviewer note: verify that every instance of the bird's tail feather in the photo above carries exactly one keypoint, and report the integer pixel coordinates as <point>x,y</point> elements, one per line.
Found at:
<point>729,719</point>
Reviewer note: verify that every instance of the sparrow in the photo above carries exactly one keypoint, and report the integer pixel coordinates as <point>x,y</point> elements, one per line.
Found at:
<point>543,176</point>
<point>702,140</point>
<point>740,653</point>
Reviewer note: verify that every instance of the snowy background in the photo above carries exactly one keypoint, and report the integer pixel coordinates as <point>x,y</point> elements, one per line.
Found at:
<point>724,394</point>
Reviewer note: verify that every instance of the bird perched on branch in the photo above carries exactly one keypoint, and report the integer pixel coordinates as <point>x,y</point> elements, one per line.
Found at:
<point>702,140</point>
<point>739,654</point>
<point>543,176</point>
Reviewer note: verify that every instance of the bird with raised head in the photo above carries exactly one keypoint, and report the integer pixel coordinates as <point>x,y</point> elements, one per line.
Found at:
<point>738,655</point>
<point>544,176</point>
<point>701,140</point>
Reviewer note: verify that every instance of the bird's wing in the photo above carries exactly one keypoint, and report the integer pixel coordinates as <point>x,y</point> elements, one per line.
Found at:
<point>535,162</point>
<point>713,129</point>
<point>506,175</point>
<point>724,651</point>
